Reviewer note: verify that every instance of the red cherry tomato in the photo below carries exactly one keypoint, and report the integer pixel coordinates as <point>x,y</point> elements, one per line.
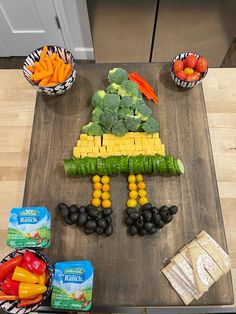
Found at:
<point>184,61</point>
<point>201,65</point>
<point>181,75</point>
<point>192,77</point>
<point>191,61</point>
<point>178,66</point>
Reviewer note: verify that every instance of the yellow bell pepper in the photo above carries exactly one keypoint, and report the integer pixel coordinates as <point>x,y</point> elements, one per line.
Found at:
<point>23,275</point>
<point>42,278</point>
<point>28,290</point>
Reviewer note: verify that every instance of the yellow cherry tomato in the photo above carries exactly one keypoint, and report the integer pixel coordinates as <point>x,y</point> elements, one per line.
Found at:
<point>131,203</point>
<point>142,193</point>
<point>105,179</point>
<point>132,186</point>
<point>188,71</point>
<point>133,194</point>
<point>97,193</point>
<point>141,185</point>
<point>96,202</point>
<point>131,178</point>
<point>96,178</point>
<point>106,203</point>
<point>143,200</point>
<point>139,178</point>
<point>97,186</point>
<point>105,187</point>
<point>105,196</point>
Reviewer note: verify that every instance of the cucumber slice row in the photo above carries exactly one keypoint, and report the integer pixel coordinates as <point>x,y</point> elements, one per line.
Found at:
<point>115,165</point>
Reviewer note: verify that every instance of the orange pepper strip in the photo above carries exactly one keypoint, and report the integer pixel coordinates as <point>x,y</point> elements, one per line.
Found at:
<point>6,297</point>
<point>30,68</point>
<point>43,54</point>
<point>27,302</point>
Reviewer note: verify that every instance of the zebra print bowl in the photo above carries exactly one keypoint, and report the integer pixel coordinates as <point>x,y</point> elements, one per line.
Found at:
<point>60,88</point>
<point>11,306</point>
<point>180,82</point>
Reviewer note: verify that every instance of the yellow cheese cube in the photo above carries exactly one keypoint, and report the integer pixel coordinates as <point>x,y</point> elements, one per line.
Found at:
<point>155,135</point>
<point>129,135</point>
<point>78,143</point>
<point>130,153</point>
<point>143,135</point>
<point>95,150</point>
<point>130,142</point>
<point>83,155</point>
<point>83,137</point>
<point>148,152</point>
<point>138,147</point>
<point>76,151</point>
<point>104,154</point>
<point>102,149</point>
<point>142,152</point>
<point>135,153</point>
<point>149,135</point>
<point>89,149</point>
<point>138,141</point>
<point>83,143</point>
<point>157,142</point>
<point>83,149</point>
<point>90,138</point>
<point>106,136</point>
<point>90,144</point>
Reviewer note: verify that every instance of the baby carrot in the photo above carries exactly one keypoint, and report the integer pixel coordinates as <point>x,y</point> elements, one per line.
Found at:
<point>30,68</point>
<point>44,81</point>
<point>38,66</point>
<point>41,75</point>
<point>43,53</point>
<point>49,64</point>
<point>61,73</point>
<point>51,83</point>
<point>53,56</point>
<point>67,71</point>
<point>55,73</point>
<point>43,65</point>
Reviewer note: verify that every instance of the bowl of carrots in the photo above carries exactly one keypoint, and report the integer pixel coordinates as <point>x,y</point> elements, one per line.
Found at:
<point>50,69</point>
<point>25,281</point>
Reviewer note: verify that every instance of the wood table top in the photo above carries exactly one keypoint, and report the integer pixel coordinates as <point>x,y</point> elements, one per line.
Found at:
<point>128,270</point>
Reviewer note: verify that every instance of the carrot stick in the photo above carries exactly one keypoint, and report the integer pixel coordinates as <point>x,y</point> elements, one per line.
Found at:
<point>61,73</point>
<point>53,56</point>
<point>49,64</point>
<point>67,71</point>
<point>38,66</point>
<point>43,53</point>
<point>41,75</point>
<point>55,73</point>
<point>44,81</point>
<point>30,68</point>
<point>51,83</point>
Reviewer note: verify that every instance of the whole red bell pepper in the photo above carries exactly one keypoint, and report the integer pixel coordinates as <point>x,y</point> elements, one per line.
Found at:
<point>33,263</point>
<point>7,267</point>
<point>10,287</point>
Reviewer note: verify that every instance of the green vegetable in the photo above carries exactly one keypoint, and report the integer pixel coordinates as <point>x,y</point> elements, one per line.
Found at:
<point>128,88</point>
<point>107,120</point>
<point>142,111</point>
<point>119,128</point>
<point>151,125</point>
<point>92,129</point>
<point>132,122</point>
<point>126,102</point>
<point>111,102</point>
<point>112,88</point>
<point>117,75</point>
<point>124,112</point>
<point>115,165</point>
<point>96,114</point>
<point>97,98</point>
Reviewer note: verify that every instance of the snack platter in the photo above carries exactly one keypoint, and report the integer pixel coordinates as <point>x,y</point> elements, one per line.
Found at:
<point>121,262</point>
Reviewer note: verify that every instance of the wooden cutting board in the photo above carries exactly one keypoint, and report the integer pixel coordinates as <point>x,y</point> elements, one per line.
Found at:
<point>128,269</point>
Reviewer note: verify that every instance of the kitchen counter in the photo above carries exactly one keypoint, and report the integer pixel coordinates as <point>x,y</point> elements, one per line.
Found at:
<point>17,101</point>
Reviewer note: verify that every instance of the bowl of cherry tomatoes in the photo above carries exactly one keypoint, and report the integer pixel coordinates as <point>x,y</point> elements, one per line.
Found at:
<point>188,69</point>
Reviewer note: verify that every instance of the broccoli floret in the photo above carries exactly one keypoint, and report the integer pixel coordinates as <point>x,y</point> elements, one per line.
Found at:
<point>96,114</point>
<point>107,120</point>
<point>128,88</point>
<point>124,112</point>
<point>111,103</point>
<point>151,125</point>
<point>126,102</point>
<point>132,122</point>
<point>119,128</point>
<point>92,128</point>
<point>112,88</point>
<point>97,98</point>
<point>117,75</point>
<point>138,97</point>
<point>141,110</point>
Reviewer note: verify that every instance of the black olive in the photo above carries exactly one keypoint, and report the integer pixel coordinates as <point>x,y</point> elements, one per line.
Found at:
<point>130,210</point>
<point>74,217</point>
<point>156,218</point>
<point>82,209</point>
<point>169,218</point>
<point>134,216</point>
<point>65,211</point>
<point>142,232</point>
<point>128,221</point>
<point>88,231</point>
<point>83,217</point>
<point>152,230</point>
<point>148,226</point>
<point>146,206</point>
<point>139,224</point>
<point>147,215</point>
<point>68,221</point>
<point>173,210</point>
<point>155,210</point>
<point>90,206</point>
<point>163,209</point>
<point>133,230</point>
<point>73,208</point>
<point>61,205</point>
<point>91,224</point>
<point>108,220</point>
<point>99,216</point>
<point>165,217</point>
<point>102,223</point>
<point>160,224</point>
<point>93,212</point>
<point>109,230</point>
<point>99,231</point>
<point>107,211</point>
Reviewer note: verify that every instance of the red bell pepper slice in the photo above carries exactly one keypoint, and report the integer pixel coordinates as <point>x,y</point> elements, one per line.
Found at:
<point>10,287</point>
<point>27,302</point>
<point>33,263</point>
<point>7,267</point>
